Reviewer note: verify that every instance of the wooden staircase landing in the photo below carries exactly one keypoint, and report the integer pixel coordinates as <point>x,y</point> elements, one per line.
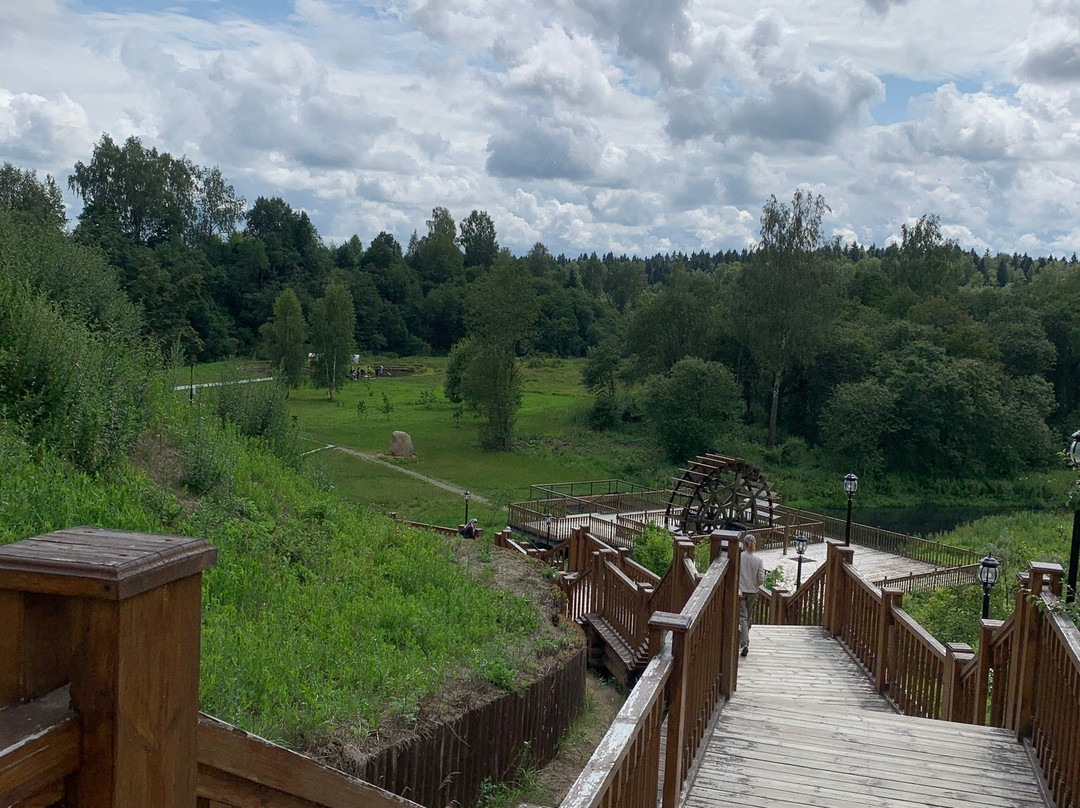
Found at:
<point>806,728</point>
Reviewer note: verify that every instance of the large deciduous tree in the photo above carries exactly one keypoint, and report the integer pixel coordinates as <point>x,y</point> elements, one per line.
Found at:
<point>690,406</point>
<point>501,309</point>
<point>286,336</point>
<point>786,297</point>
<point>477,238</point>
<point>333,321</point>
<point>23,192</point>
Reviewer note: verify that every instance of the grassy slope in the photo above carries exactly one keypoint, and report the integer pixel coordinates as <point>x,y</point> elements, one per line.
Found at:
<point>318,617</point>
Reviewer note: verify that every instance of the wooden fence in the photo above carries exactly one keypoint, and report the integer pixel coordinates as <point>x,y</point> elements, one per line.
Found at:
<point>449,763</point>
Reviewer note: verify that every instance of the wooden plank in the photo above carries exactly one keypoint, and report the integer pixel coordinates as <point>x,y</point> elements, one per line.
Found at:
<point>39,747</point>
<point>227,750</point>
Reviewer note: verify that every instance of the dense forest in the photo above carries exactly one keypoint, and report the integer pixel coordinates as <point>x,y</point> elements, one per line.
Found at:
<point>918,357</point>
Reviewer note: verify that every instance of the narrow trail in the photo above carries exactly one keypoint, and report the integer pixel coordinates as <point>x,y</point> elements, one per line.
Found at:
<point>370,458</point>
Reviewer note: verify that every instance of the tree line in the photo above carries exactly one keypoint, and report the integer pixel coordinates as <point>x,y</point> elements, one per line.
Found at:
<point>917,357</point>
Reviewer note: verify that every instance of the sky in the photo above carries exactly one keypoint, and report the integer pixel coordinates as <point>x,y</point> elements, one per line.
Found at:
<point>630,126</point>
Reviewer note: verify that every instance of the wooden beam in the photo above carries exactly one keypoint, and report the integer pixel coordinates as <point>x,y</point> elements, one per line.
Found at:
<point>39,747</point>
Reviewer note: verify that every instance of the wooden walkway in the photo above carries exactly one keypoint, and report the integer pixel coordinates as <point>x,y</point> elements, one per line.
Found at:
<point>805,728</point>
<point>874,564</point>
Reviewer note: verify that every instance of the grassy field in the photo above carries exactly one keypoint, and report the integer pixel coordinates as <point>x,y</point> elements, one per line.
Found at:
<point>551,444</point>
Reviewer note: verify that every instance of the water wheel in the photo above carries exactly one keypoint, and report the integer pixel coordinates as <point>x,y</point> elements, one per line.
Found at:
<point>718,491</point>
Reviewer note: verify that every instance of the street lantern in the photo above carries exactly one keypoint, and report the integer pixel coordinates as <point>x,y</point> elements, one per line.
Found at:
<point>851,485</point>
<point>988,576</point>
<point>1074,552</point>
<point>467,495</point>
<point>801,540</point>
<point>548,519</point>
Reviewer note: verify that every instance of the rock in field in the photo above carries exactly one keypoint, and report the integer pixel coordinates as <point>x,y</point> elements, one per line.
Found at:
<point>401,445</point>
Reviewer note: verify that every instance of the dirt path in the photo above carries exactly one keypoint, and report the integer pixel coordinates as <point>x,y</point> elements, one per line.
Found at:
<point>371,458</point>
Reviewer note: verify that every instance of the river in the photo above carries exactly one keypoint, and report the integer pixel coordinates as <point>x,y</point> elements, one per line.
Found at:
<point>920,521</point>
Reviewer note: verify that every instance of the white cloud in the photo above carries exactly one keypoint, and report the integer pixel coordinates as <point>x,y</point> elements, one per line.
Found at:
<point>624,125</point>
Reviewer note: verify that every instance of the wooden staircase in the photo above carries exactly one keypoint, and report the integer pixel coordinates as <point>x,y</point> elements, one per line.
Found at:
<point>807,728</point>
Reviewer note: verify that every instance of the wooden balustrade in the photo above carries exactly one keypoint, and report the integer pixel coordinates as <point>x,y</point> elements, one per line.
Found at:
<point>624,771</point>
<point>806,605</point>
<point>695,663</point>
<point>859,629</point>
<point>1055,730</point>
<point>99,669</point>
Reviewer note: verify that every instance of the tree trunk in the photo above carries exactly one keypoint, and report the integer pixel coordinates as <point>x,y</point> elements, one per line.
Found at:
<point>773,410</point>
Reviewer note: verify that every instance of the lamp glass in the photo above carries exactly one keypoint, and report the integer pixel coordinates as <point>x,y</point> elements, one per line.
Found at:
<point>800,543</point>
<point>851,484</point>
<point>988,571</point>
<point>1074,450</point>
<point>467,495</point>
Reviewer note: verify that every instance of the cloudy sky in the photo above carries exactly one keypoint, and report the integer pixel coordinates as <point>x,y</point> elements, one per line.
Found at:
<point>633,126</point>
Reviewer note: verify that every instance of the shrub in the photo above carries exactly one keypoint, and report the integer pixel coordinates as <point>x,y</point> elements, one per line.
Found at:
<point>654,549</point>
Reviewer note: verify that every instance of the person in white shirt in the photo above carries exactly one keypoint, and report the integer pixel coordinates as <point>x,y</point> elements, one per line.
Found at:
<point>751,576</point>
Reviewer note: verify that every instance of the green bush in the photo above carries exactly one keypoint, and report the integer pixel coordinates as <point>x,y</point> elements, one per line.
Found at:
<point>654,549</point>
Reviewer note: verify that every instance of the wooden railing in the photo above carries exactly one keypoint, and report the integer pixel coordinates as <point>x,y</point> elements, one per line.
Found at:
<point>624,771</point>
<point>237,769</point>
<point>938,579</point>
<point>1055,730</point>
<point>888,541</point>
<point>695,665</point>
<point>99,672</point>
<point>1025,676</point>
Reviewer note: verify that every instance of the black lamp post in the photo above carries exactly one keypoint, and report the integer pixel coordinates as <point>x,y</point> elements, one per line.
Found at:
<point>1074,552</point>
<point>851,485</point>
<point>548,519</point>
<point>467,495</point>
<point>800,548</point>
<point>988,576</point>
<point>191,385</point>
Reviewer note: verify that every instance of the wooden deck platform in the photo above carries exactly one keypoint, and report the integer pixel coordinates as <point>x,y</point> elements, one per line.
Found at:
<point>874,564</point>
<point>805,728</point>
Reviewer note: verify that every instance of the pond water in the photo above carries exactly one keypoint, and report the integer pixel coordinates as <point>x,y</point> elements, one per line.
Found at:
<point>920,521</point>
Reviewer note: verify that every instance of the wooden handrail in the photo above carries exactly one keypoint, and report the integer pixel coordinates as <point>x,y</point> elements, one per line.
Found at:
<point>239,769</point>
<point>1055,732</point>
<point>40,745</point>
<point>624,771</point>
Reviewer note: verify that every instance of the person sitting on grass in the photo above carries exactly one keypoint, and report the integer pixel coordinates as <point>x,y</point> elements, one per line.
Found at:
<point>468,530</point>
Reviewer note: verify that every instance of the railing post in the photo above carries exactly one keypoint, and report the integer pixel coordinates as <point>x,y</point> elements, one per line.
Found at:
<point>987,630</point>
<point>117,615</point>
<point>956,654</point>
<point>729,639</point>
<point>890,599</point>
<point>777,606</point>
<point>1025,666</point>
<point>678,624</point>
<point>837,556</point>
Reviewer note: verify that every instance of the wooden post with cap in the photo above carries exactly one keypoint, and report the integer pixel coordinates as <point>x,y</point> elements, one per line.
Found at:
<point>115,615</point>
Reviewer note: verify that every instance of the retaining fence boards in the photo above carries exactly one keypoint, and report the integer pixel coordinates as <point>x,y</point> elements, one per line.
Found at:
<point>449,764</point>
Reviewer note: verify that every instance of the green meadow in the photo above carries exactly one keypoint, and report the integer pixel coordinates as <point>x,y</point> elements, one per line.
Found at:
<point>552,444</point>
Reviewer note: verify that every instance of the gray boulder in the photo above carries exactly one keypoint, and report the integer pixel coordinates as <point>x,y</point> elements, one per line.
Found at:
<point>401,445</point>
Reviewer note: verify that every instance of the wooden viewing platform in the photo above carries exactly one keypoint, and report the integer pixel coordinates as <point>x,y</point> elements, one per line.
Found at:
<point>807,728</point>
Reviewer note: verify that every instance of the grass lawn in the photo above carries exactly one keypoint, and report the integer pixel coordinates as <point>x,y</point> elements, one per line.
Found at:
<point>551,445</point>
